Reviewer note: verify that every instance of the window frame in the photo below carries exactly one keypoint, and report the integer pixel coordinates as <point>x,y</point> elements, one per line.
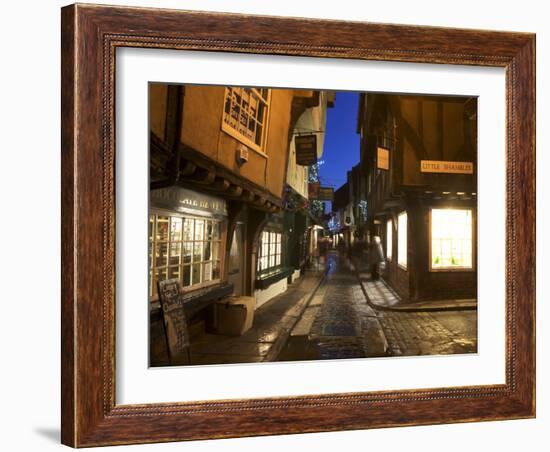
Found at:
<point>399,263</point>
<point>235,133</point>
<point>269,270</point>
<point>473,244</point>
<point>152,241</point>
<point>389,239</point>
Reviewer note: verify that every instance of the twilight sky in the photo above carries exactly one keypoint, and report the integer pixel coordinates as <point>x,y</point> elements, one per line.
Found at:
<point>341,150</point>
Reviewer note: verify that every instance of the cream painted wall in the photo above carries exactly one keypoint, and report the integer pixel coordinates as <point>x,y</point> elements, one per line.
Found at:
<point>312,119</point>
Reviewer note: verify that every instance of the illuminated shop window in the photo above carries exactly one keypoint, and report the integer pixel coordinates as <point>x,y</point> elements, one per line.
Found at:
<point>269,252</point>
<point>245,115</point>
<point>389,239</point>
<point>185,248</point>
<point>451,238</point>
<point>402,239</point>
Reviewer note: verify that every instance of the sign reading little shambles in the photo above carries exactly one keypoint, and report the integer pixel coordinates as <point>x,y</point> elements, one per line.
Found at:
<point>436,166</point>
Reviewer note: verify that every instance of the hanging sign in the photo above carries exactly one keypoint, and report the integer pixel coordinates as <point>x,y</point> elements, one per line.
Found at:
<point>306,149</point>
<point>435,166</point>
<point>383,158</point>
<point>326,194</point>
<point>313,190</point>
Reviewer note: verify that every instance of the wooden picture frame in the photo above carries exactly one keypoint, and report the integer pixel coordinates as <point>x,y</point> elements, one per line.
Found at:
<point>90,36</point>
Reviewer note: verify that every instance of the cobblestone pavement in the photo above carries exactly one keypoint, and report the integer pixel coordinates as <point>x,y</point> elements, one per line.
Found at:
<point>273,322</point>
<point>430,333</point>
<point>339,323</point>
<point>337,327</point>
<point>336,320</point>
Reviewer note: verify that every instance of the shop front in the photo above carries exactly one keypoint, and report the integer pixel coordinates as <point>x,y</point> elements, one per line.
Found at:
<point>187,242</point>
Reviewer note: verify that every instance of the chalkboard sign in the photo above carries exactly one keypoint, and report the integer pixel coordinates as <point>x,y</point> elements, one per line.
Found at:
<point>175,322</point>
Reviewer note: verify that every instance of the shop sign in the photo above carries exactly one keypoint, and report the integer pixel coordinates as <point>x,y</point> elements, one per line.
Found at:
<point>313,190</point>
<point>435,166</point>
<point>187,201</point>
<point>383,158</point>
<point>175,322</point>
<point>325,194</point>
<point>306,149</point>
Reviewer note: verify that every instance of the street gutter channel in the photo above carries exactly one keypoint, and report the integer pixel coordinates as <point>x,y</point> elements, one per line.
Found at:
<point>280,342</point>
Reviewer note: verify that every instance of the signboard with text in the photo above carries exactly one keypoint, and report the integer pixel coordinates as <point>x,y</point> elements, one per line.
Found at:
<point>306,149</point>
<point>187,201</point>
<point>326,194</point>
<point>313,190</point>
<point>383,158</point>
<point>436,166</point>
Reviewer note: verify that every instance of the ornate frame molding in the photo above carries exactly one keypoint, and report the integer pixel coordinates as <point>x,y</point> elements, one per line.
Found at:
<point>90,37</point>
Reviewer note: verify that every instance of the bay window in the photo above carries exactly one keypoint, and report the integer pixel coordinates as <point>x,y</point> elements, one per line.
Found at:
<point>185,248</point>
<point>451,239</point>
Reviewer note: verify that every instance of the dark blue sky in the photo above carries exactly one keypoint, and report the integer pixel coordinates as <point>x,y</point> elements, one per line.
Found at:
<point>341,150</point>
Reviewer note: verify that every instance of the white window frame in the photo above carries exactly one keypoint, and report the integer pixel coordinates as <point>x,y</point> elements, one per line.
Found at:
<point>402,231</point>
<point>472,243</point>
<point>228,122</point>
<point>389,239</point>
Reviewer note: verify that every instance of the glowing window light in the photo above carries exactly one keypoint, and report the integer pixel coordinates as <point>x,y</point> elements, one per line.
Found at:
<point>451,238</point>
<point>389,239</point>
<point>402,239</point>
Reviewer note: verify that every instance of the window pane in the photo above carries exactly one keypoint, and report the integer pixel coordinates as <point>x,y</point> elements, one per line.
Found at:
<point>188,229</point>
<point>175,252</point>
<point>209,230</point>
<point>197,253</point>
<point>402,239</point>
<point>161,255</point>
<point>196,276</point>
<point>186,275</point>
<point>215,250</point>
<point>207,255</point>
<point>451,238</point>
<point>187,252</point>
<point>207,271</point>
<point>175,229</point>
<point>151,226</point>
<point>216,233</point>
<point>173,272</point>
<point>216,270</point>
<point>161,274</point>
<point>389,239</point>
<point>162,228</point>
<point>199,229</point>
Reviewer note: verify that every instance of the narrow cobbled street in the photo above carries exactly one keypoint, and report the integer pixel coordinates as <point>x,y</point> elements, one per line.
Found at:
<point>339,323</point>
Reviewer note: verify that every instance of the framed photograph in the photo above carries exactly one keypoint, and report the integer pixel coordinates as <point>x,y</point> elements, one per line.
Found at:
<point>282,225</point>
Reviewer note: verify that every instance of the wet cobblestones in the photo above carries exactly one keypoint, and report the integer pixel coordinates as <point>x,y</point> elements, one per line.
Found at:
<point>429,333</point>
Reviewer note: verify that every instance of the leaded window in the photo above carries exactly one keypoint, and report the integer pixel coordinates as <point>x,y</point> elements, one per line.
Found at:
<point>245,115</point>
